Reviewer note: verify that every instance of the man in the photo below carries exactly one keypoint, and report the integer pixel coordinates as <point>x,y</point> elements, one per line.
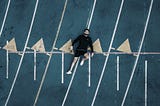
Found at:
<point>84,41</point>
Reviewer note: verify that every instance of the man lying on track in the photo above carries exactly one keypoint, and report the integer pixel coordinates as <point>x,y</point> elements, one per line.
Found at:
<point>84,41</point>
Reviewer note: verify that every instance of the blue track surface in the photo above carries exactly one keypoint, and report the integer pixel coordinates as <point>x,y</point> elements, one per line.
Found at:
<point>131,25</point>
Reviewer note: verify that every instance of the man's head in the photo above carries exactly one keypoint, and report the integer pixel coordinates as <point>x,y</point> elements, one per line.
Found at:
<point>86,31</point>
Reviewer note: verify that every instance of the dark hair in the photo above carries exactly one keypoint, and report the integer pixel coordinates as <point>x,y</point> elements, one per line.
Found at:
<point>87,29</point>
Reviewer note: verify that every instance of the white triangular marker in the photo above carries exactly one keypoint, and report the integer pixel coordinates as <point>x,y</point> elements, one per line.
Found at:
<point>39,46</point>
<point>66,47</point>
<point>125,47</point>
<point>11,46</point>
<point>97,46</point>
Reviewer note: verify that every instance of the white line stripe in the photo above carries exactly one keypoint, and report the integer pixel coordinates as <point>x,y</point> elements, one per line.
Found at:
<point>89,71</point>
<point>104,53</point>
<point>54,43</point>
<point>89,23</point>
<point>35,65</point>
<point>75,69</point>
<point>32,52</point>
<point>136,61</point>
<point>88,18</point>
<point>146,63</point>
<point>5,16</point>
<point>102,73</point>
<point>15,78</point>
<point>7,63</point>
<point>117,73</point>
<point>62,80</point>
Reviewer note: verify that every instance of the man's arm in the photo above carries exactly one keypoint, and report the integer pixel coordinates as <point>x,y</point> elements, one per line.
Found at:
<point>76,40</point>
<point>91,45</point>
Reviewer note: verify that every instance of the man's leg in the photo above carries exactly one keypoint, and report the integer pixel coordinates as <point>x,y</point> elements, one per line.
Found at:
<point>72,65</point>
<point>86,57</point>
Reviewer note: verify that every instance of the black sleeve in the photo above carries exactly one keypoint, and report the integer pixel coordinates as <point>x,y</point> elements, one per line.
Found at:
<point>90,45</point>
<point>76,40</point>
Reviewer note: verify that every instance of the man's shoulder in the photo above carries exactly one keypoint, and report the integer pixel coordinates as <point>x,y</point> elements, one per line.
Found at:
<point>80,36</point>
<point>89,37</point>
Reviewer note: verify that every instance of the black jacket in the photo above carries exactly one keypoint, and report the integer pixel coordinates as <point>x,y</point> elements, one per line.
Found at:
<point>83,43</point>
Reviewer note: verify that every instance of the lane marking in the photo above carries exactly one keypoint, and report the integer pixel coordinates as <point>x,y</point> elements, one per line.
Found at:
<point>69,87</point>
<point>89,71</point>
<point>136,61</point>
<point>146,69</point>
<point>5,16</point>
<point>7,59</point>
<point>50,56</point>
<point>15,78</point>
<point>118,73</point>
<point>90,19</point>
<point>106,60</point>
<point>35,62</point>
<point>103,53</point>
<point>62,79</point>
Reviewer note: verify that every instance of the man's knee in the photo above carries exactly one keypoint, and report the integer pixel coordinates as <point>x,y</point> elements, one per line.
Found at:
<point>86,55</point>
<point>75,59</point>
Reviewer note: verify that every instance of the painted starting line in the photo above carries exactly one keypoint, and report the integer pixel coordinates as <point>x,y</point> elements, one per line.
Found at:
<point>103,53</point>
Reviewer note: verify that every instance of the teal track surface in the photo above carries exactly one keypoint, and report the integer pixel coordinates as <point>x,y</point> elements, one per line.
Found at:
<point>131,25</point>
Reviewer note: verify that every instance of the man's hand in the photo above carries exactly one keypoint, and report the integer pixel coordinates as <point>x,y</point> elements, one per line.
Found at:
<point>71,48</point>
<point>92,54</point>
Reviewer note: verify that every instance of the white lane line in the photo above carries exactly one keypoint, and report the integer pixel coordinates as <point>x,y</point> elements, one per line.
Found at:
<point>7,59</point>
<point>146,69</point>
<point>118,73</point>
<point>35,62</point>
<point>89,71</point>
<point>110,46</point>
<point>112,53</point>
<point>62,79</point>
<point>136,61</point>
<point>26,43</point>
<point>5,16</point>
<point>90,19</point>
<point>75,69</point>
<point>54,43</point>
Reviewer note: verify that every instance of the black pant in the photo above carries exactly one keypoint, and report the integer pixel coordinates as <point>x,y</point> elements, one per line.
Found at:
<point>79,53</point>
